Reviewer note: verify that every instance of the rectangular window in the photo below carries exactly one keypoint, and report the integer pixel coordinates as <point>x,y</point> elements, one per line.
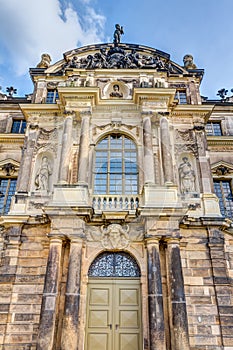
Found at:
<point>18,126</point>
<point>7,191</point>
<point>213,129</point>
<point>223,191</point>
<point>181,97</point>
<point>52,96</point>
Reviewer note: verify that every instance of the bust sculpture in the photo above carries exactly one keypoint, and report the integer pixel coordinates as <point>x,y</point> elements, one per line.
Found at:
<point>116,91</point>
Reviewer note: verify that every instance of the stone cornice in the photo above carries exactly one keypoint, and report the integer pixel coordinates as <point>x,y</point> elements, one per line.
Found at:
<point>38,108</point>
<point>153,94</point>
<point>188,110</point>
<point>220,141</point>
<point>12,138</point>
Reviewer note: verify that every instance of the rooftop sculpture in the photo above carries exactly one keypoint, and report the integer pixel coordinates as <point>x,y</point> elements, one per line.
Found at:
<point>117,34</point>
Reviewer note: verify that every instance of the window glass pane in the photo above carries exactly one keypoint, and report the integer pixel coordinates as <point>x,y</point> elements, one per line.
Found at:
<point>7,189</point>
<point>115,157</point>
<point>224,194</point>
<point>213,129</point>
<point>52,95</point>
<point>18,126</point>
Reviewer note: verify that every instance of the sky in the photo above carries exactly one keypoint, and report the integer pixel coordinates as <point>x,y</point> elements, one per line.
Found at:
<point>203,28</point>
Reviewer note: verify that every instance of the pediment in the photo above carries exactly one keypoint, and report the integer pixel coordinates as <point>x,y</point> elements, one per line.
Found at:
<point>123,56</point>
<point>222,168</point>
<point>9,167</point>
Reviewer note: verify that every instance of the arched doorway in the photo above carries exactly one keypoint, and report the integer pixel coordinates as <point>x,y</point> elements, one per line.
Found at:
<point>114,303</point>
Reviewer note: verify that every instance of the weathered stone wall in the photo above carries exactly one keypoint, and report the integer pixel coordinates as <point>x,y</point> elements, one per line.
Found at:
<point>24,260</point>
<point>208,288</point>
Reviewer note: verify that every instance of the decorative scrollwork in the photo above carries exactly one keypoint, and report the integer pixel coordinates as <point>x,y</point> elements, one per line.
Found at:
<point>114,264</point>
<point>121,56</point>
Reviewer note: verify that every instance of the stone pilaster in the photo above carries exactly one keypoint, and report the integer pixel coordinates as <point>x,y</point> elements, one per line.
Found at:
<point>70,333</point>
<point>25,170</point>
<point>177,302</point>
<point>84,148</point>
<point>66,149</point>
<point>46,336</point>
<point>210,200</point>
<point>149,173</point>
<point>155,296</point>
<point>166,151</point>
<point>204,163</point>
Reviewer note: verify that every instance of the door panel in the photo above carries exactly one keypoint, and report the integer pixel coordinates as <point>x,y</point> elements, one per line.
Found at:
<point>99,314</point>
<point>113,315</point>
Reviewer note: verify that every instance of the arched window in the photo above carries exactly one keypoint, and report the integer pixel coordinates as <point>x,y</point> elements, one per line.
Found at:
<point>116,170</point>
<point>114,264</point>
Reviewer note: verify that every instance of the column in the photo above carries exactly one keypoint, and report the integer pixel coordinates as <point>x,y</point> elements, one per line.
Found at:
<point>166,151</point>
<point>84,148</point>
<point>26,161</point>
<point>149,172</point>
<point>204,162</point>
<point>65,150</point>
<point>50,298</point>
<point>155,296</point>
<point>70,334</point>
<point>177,305</point>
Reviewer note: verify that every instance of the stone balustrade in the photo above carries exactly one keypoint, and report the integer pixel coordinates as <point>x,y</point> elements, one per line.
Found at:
<point>115,202</point>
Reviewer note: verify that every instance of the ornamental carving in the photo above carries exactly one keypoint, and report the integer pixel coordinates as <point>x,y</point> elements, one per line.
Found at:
<point>185,142</point>
<point>122,56</point>
<point>115,237</point>
<point>116,125</point>
<point>114,264</point>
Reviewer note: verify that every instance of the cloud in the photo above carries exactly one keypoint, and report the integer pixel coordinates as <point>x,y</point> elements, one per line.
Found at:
<point>29,28</point>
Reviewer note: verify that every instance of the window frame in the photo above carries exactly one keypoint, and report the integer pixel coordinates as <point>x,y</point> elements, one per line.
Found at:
<point>226,205</point>
<point>110,171</point>
<point>7,195</point>
<point>179,96</point>
<point>22,126</point>
<point>212,131</point>
<point>53,98</point>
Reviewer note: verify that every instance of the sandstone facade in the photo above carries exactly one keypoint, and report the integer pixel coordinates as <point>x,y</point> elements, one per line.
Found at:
<point>124,185</point>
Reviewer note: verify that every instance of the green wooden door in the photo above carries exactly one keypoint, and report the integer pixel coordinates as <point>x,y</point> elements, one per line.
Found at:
<point>113,314</point>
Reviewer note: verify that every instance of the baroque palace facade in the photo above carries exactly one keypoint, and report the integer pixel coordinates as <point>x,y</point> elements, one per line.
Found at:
<point>116,206</point>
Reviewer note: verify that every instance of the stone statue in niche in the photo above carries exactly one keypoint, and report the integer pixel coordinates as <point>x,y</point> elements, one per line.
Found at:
<point>117,34</point>
<point>187,176</point>
<point>116,91</point>
<point>42,176</point>
<point>115,237</point>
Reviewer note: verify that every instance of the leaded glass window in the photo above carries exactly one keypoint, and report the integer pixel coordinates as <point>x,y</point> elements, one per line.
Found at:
<point>223,191</point>
<point>116,170</point>
<point>7,190</point>
<point>114,264</point>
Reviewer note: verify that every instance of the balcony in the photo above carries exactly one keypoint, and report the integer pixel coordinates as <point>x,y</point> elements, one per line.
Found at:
<point>115,203</point>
